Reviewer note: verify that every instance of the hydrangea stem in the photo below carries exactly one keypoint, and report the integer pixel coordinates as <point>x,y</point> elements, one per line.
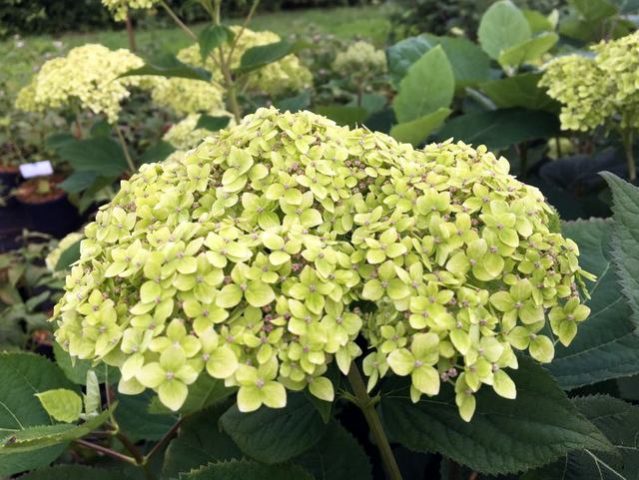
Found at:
<point>628,145</point>
<point>177,20</point>
<point>366,404</point>
<point>125,149</point>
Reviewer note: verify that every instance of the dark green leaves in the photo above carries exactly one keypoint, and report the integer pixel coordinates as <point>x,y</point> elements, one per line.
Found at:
<point>275,435</point>
<point>504,435</point>
<point>498,129</point>
<point>519,91</point>
<point>68,257</point>
<point>606,345</point>
<point>199,442</point>
<point>22,375</point>
<point>169,67</point>
<point>73,472</point>
<point>257,57</point>
<point>343,115</point>
<point>212,37</point>
<point>211,123</point>
<point>619,421</point>
<point>247,470</point>
<point>337,456</point>
<point>103,156</point>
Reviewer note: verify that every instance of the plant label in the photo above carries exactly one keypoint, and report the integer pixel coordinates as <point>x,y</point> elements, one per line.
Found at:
<point>36,169</point>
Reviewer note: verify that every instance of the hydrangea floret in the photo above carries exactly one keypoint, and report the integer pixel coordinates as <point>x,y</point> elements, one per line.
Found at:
<point>287,243</point>
<point>185,135</point>
<point>120,8</point>
<point>286,75</point>
<point>87,79</point>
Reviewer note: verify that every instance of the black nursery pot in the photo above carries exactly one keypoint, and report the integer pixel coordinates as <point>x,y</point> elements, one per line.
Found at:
<point>54,214</point>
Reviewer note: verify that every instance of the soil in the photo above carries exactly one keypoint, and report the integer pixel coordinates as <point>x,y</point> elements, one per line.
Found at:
<point>27,192</point>
<point>9,169</point>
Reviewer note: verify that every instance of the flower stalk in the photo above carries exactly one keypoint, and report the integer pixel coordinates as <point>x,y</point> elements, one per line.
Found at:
<point>367,406</point>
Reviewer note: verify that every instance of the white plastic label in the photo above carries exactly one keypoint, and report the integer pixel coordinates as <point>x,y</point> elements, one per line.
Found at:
<point>36,169</point>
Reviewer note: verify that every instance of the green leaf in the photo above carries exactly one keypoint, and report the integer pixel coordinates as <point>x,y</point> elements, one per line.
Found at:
<point>73,472</point>
<point>529,50</point>
<point>502,27</point>
<point>275,435</point>
<point>103,156</point>
<point>504,435</point>
<point>62,404</point>
<point>519,91</point>
<point>211,123</point>
<point>538,22</point>
<point>607,345</point>
<point>592,10</point>
<point>417,131</point>
<point>76,370</point>
<point>78,181</point>
<point>428,86</point>
<point>337,456</point>
<point>499,129</point>
<point>68,257</point>
<point>212,37</point>
<point>157,153</point>
<point>58,140</point>
<point>137,422</point>
<point>343,115</point>
<point>619,422</point>
<point>257,57</point>
<point>247,470</point>
<point>294,104</point>
<point>169,67</point>
<point>205,392</point>
<point>36,438</point>
<point>470,63</point>
<point>199,442</point>
<point>405,53</point>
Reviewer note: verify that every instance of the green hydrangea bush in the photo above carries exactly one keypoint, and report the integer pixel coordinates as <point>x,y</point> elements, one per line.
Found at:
<point>262,256</point>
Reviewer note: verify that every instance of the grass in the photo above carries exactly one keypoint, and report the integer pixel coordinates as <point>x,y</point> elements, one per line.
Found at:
<point>19,58</point>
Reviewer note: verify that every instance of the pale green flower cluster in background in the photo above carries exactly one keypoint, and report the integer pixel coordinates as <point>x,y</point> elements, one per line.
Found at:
<point>186,96</point>
<point>184,135</point>
<point>261,256</point>
<point>54,257</point>
<point>596,90</point>
<point>86,79</point>
<point>286,75</point>
<point>361,60</point>
<point>120,8</point>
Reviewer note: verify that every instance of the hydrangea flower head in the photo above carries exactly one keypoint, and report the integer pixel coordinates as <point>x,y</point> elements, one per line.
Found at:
<point>260,257</point>
<point>120,8</point>
<point>87,78</point>
<point>285,75</point>
<point>187,96</point>
<point>596,90</point>
<point>361,60</point>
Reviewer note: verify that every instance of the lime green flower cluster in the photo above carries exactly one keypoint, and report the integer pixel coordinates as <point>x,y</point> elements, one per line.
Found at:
<point>184,135</point>
<point>120,8</point>
<point>285,75</point>
<point>261,256</point>
<point>361,60</point>
<point>186,96</point>
<point>54,256</point>
<point>87,78</point>
<point>596,90</point>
